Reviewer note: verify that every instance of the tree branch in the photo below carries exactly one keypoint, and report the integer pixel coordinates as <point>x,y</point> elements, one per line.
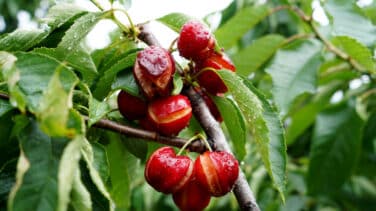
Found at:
<point>196,146</point>
<point>212,128</point>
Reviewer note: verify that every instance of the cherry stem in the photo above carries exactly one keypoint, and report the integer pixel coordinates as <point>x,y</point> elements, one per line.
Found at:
<point>194,138</point>
<point>171,47</point>
<point>203,70</point>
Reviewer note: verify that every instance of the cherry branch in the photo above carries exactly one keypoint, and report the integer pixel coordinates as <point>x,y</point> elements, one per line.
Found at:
<point>212,128</point>
<point>311,23</point>
<point>196,146</point>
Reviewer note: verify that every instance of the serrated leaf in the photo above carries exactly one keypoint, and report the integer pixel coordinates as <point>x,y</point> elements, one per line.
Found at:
<point>80,60</point>
<point>22,39</point>
<point>53,111</point>
<point>36,186</point>
<point>235,124</point>
<point>61,13</point>
<point>78,31</point>
<point>251,58</point>
<point>347,19</point>
<point>68,169</point>
<point>264,124</point>
<point>175,20</point>
<point>293,70</point>
<point>357,51</point>
<point>88,155</point>
<point>231,32</point>
<point>335,148</point>
<point>138,147</point>
<point>103,86</point>
<point>35,73</point>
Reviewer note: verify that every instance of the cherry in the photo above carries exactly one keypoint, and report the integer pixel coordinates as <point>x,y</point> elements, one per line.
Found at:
<point>195,40</point>
<point>216,171</point>
<point>131,107</point>
<point>192,197</point>
<point>169,115</point>
<point>208,78</point>
<point>167,172</point>
<point>153,71</point>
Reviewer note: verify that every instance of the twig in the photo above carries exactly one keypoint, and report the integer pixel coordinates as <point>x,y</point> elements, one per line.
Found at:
<point>242,191</point>
<point>196,146</point>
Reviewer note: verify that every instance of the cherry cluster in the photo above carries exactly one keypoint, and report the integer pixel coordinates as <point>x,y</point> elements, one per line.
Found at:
<point>213,173</point>
<point>191,183</point>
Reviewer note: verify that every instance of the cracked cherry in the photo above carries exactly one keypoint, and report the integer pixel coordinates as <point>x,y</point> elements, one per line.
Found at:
<point>195,40</point>
<point>169,115</point>
<point>192,197</point>
<point>167,172</point>
<point>216,171</point>
<point>208,78</point>
<point>153,70</point>
<point>131,107</point>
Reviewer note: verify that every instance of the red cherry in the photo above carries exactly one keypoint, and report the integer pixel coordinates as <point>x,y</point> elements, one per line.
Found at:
<point>153,71</point>
<point>209,79</point>
<point>192,197</point>
<point>195,40</point>
<point>167,172</point>
<point>169,115</point>
<point>131,107</point>
<point>211,105</point>
<point>216,171</point>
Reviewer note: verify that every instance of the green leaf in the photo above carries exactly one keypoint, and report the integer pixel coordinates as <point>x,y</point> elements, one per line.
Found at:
<point>175,20</point>
<point>264,124</point>
<point>103,86</point>
<point>36,185</point>
<point>348,19</point>
<point>35,73</point>
<point>5,106</point>
<point>117,157</point>
<point>53,111</point>
<point>22,39</point>
<point>252,57</point>
<point>88,155</point>
<point>80,196</point>
<point>178,84</point>
<point>61,13</point>
<point>303,118</point>
<point>11,75</point>
<point>335,148</point>
<point>138,147</point>
<point>357,51</point>
<point>232,31</point>
<point>293,70</point>
<point>68,169</point>
<point>97,110</point>
<point>80,60</point>
<point>235,124</point>
<point>126,81</point>
<point>78,31</point>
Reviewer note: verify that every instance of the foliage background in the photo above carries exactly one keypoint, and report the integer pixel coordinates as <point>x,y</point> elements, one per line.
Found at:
<point>320,77</point>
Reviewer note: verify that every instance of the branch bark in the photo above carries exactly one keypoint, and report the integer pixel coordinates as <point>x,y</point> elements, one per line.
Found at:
<point>213,130</point>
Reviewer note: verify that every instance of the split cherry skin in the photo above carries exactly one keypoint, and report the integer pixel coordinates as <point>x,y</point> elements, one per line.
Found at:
<point>216,171</point>
<point>153,71</point>
<point>169,115</point>
<point>167,172</point>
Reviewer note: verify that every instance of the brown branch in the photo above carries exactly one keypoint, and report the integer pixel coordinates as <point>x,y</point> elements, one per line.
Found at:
<point>242,191</point>
<point>196,146</point>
